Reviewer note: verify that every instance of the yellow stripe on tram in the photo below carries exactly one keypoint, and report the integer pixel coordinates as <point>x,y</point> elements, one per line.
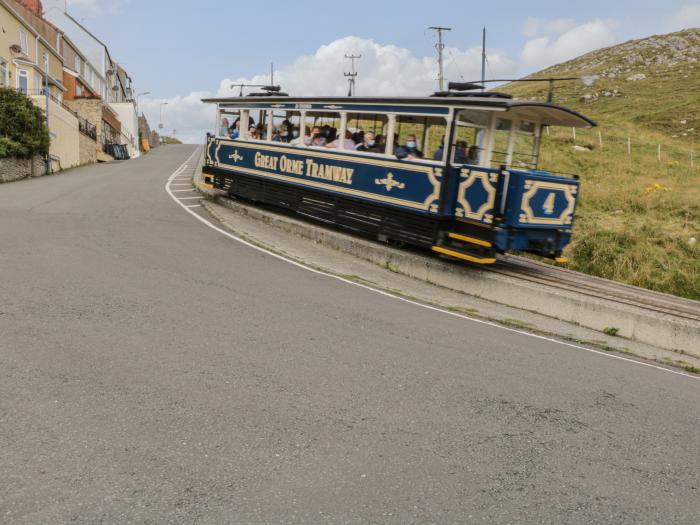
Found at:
<point>471,240</point>
<point>464,256</point>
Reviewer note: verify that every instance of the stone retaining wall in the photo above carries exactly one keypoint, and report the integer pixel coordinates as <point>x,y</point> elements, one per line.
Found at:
<point>12,168</point>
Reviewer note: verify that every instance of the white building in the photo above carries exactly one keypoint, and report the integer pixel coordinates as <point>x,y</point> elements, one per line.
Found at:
<point>102,73</point>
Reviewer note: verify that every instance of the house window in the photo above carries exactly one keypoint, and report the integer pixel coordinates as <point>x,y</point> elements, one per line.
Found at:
<point>78,90</point>
<point>23,80</point>
<point>3,72</point>
<point>24,42</point>
<point>45,56</point>
<point>77,64</point>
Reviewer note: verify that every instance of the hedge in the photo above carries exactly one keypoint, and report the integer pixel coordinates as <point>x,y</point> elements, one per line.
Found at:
<point>23,131</point>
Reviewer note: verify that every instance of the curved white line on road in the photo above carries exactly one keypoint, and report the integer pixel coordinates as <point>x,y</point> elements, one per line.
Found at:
<point>185,166</point>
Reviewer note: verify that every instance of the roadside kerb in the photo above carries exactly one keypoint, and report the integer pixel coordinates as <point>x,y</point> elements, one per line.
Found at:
<point>657,329</point>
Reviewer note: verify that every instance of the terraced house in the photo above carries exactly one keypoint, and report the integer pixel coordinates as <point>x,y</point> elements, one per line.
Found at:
<point>32,63</point>
<point>70,74</point>
<point>106,78</point>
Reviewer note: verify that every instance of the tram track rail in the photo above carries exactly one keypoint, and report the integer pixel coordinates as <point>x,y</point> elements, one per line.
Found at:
<point>596,287</point>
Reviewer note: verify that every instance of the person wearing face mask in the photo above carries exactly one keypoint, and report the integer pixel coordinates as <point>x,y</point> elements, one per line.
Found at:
<point>301,140</point>
<point>410,149</point>
<point>316,138</point>
<point>369,144</point>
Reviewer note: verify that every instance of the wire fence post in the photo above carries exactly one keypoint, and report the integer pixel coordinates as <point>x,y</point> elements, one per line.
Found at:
<point>629,146</point>
<point>692,160</point>
<point>600,139</point>
<point>573,131</point>
<point>658,155</point>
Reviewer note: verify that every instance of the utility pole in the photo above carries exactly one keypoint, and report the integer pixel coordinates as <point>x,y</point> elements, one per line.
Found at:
<point>272,73</point>
<point>440,46</point>
<point>483,60</point>
<point>352,75</point>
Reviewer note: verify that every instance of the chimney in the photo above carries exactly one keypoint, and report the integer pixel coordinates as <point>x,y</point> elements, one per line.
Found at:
<point>34,6</point>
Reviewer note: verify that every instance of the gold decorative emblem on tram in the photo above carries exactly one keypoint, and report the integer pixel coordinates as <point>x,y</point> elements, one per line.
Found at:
<point>235,157</point>
<point>390,182</point>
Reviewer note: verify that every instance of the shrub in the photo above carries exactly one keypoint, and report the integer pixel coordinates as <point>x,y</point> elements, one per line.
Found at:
<point>23,130</point>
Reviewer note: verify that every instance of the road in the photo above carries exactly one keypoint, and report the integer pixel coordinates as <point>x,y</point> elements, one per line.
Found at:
<point>154,370</point>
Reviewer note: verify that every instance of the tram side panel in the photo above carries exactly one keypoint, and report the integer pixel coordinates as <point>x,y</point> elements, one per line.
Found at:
<point>398,200</point>
<point>539,211</point>
<point>516,210</point>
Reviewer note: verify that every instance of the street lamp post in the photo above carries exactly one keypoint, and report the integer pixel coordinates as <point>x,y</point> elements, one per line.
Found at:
<point>160,122</point>
<point>138,96</point>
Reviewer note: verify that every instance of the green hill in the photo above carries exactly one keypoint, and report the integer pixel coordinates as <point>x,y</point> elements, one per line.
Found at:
<point>638,215</point>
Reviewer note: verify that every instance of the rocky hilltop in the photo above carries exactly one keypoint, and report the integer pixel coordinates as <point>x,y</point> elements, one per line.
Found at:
<point>653,82</point>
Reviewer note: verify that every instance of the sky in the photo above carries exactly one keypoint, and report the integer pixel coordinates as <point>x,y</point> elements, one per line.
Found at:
<point>183,51</point>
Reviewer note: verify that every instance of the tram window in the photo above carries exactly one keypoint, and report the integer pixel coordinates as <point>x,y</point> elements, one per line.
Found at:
<point>321,128</point>
<point>428,133</point>
<point>257,122</point>
<point>468,144</point>
<point>361,124</point>
<point>228,123</point>
<point>473,118</point>
<point>501,138</point>
<point>469,141</point>
<point>524,155</point>
<point>285,126</point>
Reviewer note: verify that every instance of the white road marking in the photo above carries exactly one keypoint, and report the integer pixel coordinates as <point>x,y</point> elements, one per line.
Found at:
<point>397,297</point>
<point>180,191</point>
<point>189,198</point>
<point>194,206</point>
<point>190,184</point>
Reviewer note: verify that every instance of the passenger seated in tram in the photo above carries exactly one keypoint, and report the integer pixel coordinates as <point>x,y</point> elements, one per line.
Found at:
<point>235,131</point>
<point>369,144</point>
<point>358,137</point>
<point>253,133</point>
<point>440,152</point>
<point>303,140</point>
<point>381,142</point>
<point>473,157</point>
<point>346,143</point>
<point>223,128</point>
<point>281,134</point>
<point>316,138</point>
<point>461,154</point>
<point>410,149</point>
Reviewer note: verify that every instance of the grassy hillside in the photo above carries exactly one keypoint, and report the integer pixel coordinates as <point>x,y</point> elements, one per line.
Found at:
<point>638,215</point>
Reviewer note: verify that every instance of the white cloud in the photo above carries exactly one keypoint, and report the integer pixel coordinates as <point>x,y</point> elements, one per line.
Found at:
<point>187,115</point>
<point>536,27</point>
<point>685,17</point>
<point>558,46</point>
<point>383,70</point>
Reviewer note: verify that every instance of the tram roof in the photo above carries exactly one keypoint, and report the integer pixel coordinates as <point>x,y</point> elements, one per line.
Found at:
<point>542,112</point>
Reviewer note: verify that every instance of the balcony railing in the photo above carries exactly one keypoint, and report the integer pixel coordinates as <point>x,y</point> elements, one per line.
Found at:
<point>84,126</point>
<point>87,129</point>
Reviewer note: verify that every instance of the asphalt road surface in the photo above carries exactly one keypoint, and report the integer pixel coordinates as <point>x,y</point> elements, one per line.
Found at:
<point>154,370</point>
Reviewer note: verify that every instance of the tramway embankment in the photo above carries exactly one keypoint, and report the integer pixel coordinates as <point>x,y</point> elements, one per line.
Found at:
<point>619,314</point>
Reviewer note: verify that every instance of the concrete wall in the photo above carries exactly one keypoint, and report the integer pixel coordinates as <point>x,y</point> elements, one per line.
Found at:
<point>12,169</point>
<point>65,137</point>
<point>126,112</point>
<point>87,150</point>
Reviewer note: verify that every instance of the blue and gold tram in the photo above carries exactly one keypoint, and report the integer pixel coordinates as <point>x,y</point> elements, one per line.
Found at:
<point>456,173</point>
